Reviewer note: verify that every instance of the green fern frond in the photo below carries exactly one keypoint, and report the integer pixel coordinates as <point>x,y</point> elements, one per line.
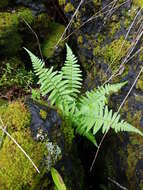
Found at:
<point>50,81</point>
<point>103,119</point>
<point>90,114</point>
<point>101,93</point>
<point>72,73</point>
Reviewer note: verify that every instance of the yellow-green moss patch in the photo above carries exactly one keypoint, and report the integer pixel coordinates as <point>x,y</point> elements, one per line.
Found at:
<point>15,116</point>
<point>111,52</point>
<point>43,114</point>
<point>62,2</point>
<point>68,8</point>
<point>55,33</point>
<point>138,3</point>
<point>16,172</point>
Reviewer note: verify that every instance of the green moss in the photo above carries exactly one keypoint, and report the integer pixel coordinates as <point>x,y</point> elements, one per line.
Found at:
<point>68,132</point>
<point>111,51</point>
<point>97,50</point>
<point>3,102</point>
<point>10,39</point>
<point>43,114</point>
<point>16,171</point>
<point>15,116</point>
<point>24,14</point>
<point>97,2</point>
<point>55,33</point>
<point>68,7</point>
<point>80,39</point>
<point>114,27</point>
<point>138,3</point>
<point>139,84</point>
<point>62,2</point>
<point>42,20</point>
<point>3,3</point>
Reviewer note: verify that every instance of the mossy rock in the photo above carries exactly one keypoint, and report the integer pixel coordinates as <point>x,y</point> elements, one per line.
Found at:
<point>10,38</point>
<point>55,32</point>
<point>111,52</point>
<point>17,172</point>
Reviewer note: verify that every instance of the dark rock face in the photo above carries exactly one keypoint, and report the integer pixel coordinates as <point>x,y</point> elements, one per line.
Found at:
<point>38,124</point>
<point>102,49</point>
<point>46,127</point>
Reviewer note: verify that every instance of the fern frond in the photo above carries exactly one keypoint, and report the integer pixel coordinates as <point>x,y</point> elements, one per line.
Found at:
<point>72,73</point>
<point>103,119</point>
<point>100,94</point>
<point>50,81</point>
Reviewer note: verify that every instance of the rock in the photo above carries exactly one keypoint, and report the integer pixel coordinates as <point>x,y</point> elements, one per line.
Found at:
<point>99,42</point>
<point>41,136</point>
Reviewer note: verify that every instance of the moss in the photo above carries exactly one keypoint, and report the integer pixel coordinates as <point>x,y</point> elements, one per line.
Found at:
<point>3,3</point>
<point>131,166</point>
<point>62,2</point>
<point>24,14</point>
<point>139,84</point>
<point>127,22</point>
<point>42,20</point>
<point>15,116</point>
<point>43,114</point>
<point>97,2</point>
<point>55,33</point>
<point>68,132</point>
<point>68,7</point>
<point>138,3</point>
<point>80,39</point>
<point>97,50</point>
<point>111,51</point>
<point>10,39</point>
<point>114,27</point>
<point>3,102</point>
<point>16,171</point>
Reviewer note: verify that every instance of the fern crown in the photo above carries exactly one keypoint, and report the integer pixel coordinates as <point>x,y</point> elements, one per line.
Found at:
<point>88,113</point>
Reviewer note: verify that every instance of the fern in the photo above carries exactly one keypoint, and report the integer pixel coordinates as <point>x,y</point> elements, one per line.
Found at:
<point>72,73</point>
<point>89,113</point>
<point>51,81</point>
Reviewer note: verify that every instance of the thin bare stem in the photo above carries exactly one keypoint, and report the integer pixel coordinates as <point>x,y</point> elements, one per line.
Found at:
<point>36,36</point>
<point>131,89</point>
<point>96,15</point>
<point>70,22</point>
<point>116,183</point>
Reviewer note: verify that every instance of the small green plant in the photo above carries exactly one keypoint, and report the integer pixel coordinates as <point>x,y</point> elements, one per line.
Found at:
<point>88,113</point>
<point>59,183</point>
<point>15,77</point>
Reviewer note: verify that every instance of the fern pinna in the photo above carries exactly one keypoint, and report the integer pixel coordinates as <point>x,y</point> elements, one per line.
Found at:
<point>90,112</point>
